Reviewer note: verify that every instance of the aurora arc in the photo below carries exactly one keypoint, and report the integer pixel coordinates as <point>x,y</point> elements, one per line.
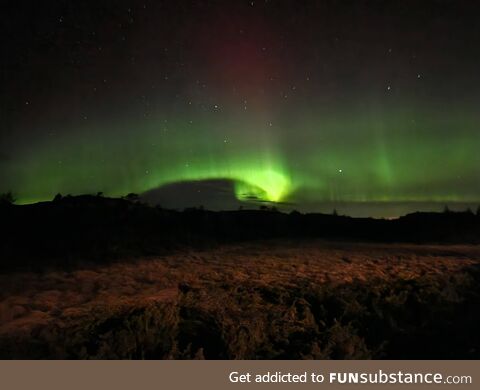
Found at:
<point>262,161</point>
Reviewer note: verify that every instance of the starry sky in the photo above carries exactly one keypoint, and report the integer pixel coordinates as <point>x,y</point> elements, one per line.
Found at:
<point>369,107</point>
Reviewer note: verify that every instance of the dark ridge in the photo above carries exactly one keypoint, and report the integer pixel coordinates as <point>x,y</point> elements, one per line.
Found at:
<point>100,229</point>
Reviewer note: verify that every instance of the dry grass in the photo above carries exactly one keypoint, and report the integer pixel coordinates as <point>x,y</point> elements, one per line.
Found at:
<point>256,300</point>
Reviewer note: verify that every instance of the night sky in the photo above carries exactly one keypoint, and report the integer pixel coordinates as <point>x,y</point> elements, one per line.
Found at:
<point>371,107</point>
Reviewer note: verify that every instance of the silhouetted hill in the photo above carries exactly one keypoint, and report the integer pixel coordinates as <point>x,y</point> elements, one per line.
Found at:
<point>97,228</point>
<point>212,194</point>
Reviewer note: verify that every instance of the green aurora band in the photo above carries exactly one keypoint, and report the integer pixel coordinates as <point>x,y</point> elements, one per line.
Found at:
<point>398,156</point>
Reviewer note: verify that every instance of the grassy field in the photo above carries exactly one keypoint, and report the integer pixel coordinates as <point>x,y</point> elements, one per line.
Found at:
<point>258,300</point>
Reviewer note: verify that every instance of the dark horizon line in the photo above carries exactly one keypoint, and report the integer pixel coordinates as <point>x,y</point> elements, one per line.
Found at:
<point>261,206</point>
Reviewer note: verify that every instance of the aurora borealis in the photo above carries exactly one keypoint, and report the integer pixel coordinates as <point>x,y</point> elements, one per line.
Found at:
<point>301,103</point>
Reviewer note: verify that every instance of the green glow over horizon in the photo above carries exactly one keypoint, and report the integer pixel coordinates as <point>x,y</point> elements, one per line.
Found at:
<point>337,158</point>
